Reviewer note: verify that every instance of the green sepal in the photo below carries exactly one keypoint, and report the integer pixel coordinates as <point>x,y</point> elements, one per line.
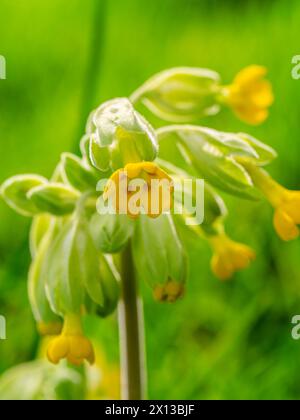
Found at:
<point>54,198</point>
<point>15,192</point>
<point>181,94</point>
<point>111,232</point>
<point>73,269</point>
<point>78,174</point>
<point>213,156</point>
<point>38,277</point>
<point>120,135</point>
<point>38,230</point>
<point>99,155</point>
<point>110,280</point>
<point>158,253</point>
<point>266,154</point>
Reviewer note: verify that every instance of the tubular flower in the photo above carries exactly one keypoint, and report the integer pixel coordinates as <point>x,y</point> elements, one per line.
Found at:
<point>52,328</point>
<point>229,256</point>
<point>287,216</point>
<point>250,95</point>
<point>140,188</point>
<point>71,344</point>
<point>285,202</point>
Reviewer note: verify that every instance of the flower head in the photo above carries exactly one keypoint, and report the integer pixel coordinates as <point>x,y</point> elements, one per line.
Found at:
<point>140,187</point>
<point>71,344</point>
<point>250,95</point>
<point>229,256</point>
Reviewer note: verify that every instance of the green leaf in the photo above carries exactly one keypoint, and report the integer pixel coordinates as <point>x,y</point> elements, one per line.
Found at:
<point>54,198</point>
<point>15,192</point>
<point>111,232</point>
<point>78,174</point>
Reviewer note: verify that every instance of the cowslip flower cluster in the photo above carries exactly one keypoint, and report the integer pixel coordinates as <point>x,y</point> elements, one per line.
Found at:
<point>75,247</point>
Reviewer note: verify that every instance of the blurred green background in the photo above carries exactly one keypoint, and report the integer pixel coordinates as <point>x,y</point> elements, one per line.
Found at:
<point>223,341</point>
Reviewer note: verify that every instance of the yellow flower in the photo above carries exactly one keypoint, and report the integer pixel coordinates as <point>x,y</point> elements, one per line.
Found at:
<point>250,95</point>
<point>169,292</point>
<point>229,256</point>
<point>287,216</point>
<point>71,344</point>
<point>52,328</point>
<point>285,202</point>
<point>151,192</point>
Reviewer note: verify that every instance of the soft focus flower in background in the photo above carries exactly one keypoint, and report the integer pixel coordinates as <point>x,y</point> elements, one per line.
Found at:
<point>250,95</point>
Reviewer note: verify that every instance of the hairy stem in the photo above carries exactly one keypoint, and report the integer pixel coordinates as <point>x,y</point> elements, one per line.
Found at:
<point>131,325</point>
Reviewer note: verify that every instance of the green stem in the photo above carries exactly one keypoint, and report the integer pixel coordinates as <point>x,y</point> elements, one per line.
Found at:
<point>131,325</point>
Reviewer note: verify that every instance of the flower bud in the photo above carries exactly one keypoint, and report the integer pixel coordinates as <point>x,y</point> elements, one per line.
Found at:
<point>79,175</point>
<point>159,257</point>
<point>214,155</point>
<point>15,192</point>
<point>181,94</point>
<point>120,135</point>
<point>53,198</point>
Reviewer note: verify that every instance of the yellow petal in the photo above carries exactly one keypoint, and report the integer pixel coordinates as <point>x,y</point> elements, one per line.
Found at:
<point>250,74</point>
<point>292,207</point>
<point>261,95</point>
<point>133,170</point>
<point>285,226</point>
<point>253,116</point>
<point>222,269</point>
<point>242,258</point>
<point>58,349</point>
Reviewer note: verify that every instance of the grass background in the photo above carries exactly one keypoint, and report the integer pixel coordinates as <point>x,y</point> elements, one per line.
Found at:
<point>223,341</point>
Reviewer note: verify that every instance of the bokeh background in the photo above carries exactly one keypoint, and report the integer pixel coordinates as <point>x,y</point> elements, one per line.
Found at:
<point>223,341</point>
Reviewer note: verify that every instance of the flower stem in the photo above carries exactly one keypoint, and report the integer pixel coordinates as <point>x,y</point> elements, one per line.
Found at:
<point>131,325</point>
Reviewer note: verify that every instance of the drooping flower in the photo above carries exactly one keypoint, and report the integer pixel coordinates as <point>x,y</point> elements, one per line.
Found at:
<point>287,216</point>
<point>229,256</point>
<point>285,202</point>
<point>140,188</point>
<point>250,95</point>
<point>71,344</point>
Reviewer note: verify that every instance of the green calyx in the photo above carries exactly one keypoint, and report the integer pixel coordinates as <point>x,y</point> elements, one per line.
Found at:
<point>159,257</point>
<point>119,135</point>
